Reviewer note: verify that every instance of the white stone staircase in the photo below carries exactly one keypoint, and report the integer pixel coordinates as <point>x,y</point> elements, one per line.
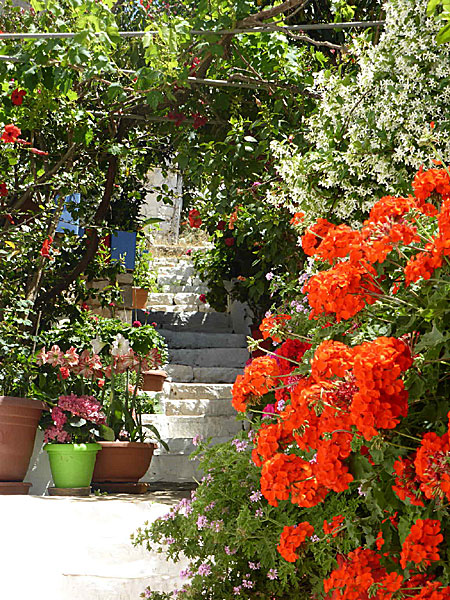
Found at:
<point>205,356</point>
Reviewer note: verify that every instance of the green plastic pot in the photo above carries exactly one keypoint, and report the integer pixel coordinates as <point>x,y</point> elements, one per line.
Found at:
<point>72,465</point>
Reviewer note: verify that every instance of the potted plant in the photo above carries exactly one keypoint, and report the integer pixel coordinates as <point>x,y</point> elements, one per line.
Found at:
<point>144,278</point>
<point>108,362</point>
<point>72,424</point>
<point>19,414</point>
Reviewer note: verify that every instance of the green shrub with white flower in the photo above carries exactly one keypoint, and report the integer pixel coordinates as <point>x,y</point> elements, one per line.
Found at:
<point>365,137</point>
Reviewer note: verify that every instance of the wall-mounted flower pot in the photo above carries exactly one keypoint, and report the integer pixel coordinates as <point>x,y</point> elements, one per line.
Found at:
<point>72,465</point>
<point>153,381</point>
<point>19,419</point>
<point>140,298</point>
<point>123,462</point>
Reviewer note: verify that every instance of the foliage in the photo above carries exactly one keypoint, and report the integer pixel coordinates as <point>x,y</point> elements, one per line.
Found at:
<point>444,33</point>
<point>365,138</point>
<point>143,275</point>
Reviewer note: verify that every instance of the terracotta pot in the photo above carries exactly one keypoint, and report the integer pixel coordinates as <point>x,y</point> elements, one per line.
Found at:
<point>19,418</point>
<point>122,461</point>
<point>153,381</point>
<point>140,298</point>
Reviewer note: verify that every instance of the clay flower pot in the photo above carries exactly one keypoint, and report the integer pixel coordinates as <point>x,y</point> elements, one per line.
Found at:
<point>153,381</point>
<point>123,461</point>
<point>139,298</point>
<point>19,418</point>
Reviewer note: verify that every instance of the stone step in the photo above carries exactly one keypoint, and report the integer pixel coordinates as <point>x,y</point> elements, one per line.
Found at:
<point>188,374</point>
<point>175,427</point>
<point>190,339</point>
<point>188,321</point>
<point>201,288</point>
<point>180,308</point>
<point>209,357</point>
<point>199,391</point>
<point>193,407</point>
<point>182,298</point>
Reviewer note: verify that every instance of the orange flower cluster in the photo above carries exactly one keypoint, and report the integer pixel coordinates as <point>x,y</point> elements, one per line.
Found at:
<point>427,472</point>
<point>292,537</point>
<point>432,591</point>
<point>344,290</point>
<point>259,377</point>
<point>271,326</point>
<point>289,475</point>
<point>420,546</point>
<point>381,398</point>
<point>333,527</point>
<point>338,242</point>
<point>331,359</point>
<point>432,465</point>
<point>427,182</point>
<point>359,573</point>
<point>314,235</point>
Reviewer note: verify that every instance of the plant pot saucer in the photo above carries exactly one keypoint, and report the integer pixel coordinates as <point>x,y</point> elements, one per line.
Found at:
<point>114,487</point>
<point>81,492</point>
<point>8,488</point>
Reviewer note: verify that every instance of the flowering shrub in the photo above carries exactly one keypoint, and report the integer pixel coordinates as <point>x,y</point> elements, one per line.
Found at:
<point>353,457</point>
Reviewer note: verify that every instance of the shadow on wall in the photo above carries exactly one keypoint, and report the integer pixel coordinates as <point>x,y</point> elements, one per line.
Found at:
<point>38,473</point>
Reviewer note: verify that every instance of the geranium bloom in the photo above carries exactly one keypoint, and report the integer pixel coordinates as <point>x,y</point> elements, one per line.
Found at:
<point>10,134</point>
<point>333,527</point>
<point>259,377</point>
<point>292,538</point>
<point>17,96</point>
<point>433,180</point>
<point>45,249</point>
<point>358,572</point>
<point>199,120</point>
<point>293,350</point>
<point>194,218</point>
<point>432,464</point>
<point>344,290</point>
<point>3,189</point>
<point>314,235</point>
<point>229,241</point>
<point>421,544</point>
<point>331,359</point>
<point>406,484</point>
<point>271,325</point>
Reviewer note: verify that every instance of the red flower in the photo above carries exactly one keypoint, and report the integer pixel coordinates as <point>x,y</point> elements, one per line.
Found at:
<point>202,298</point>
<point>199,120</point>
<point>64,372</point>
<point>221,225</point>
<point>10,134</point>
<point>137,324</point>
<point>229,241</point>
<point>17,96</point>
<point>85,306</point>
<point>3,189</point>
<point>292,538</point>
<point>194,218</point>
<point>421,544</point>
<point>45,250</point>
<point>177,117</point>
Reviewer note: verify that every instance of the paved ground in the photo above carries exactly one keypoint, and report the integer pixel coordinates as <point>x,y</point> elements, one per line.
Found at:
<point>55,548</point>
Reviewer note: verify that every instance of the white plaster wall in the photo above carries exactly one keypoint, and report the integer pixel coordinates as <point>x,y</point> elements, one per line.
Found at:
<point>169,228</point>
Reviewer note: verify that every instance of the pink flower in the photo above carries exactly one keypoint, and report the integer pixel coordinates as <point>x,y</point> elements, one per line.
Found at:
<point>137,324</point>
<point>55,356</point>
<point>63,373</point>
<point>100,383</point>
<point>71,357</point>
<point>85,407</point>
<point>42,357</point>
<point>58,416</point>
<point>269,409</point>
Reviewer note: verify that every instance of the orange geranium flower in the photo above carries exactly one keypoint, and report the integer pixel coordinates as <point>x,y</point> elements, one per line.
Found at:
<point>344,290</point>
<point>331,359</point>
<point>406,484</point>
<point>420,546</point>
<point>314,236</point>
<point>272,325</point>
<point>433,180</point>
<point>432,465</point>
<point>259,377</point>
<point>332,527</point>
<point>292,537</point>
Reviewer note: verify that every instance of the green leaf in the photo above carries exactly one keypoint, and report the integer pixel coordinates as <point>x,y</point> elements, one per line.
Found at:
<point>157,435</point>
<point>154,98</point>
<point>444,34</point>
<point>431,7</point>
<point>106,433</point>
